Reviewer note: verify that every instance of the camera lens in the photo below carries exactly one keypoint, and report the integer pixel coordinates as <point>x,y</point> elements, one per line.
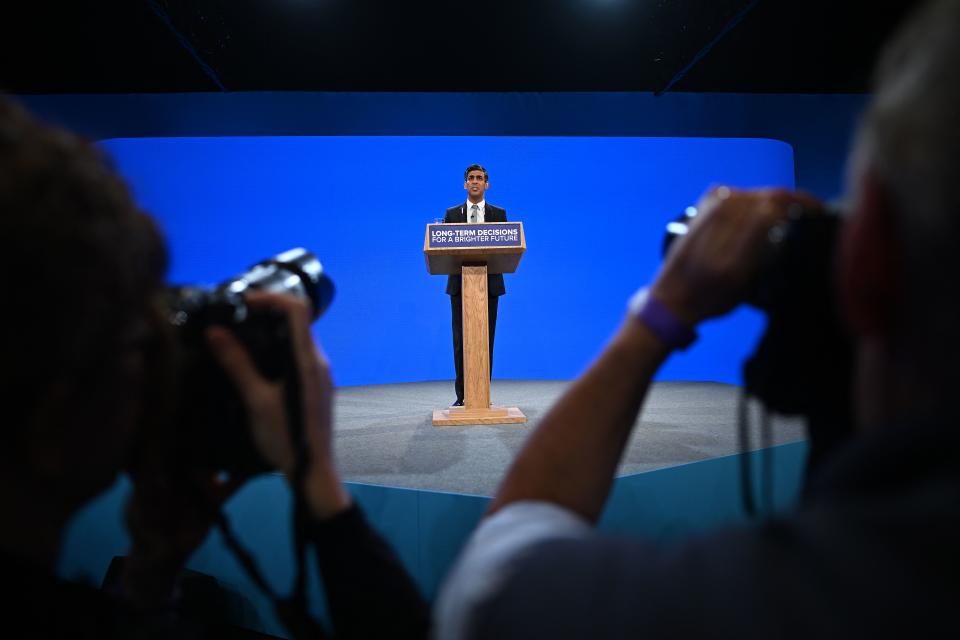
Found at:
<point>211,426</point>
<point>296,272</point>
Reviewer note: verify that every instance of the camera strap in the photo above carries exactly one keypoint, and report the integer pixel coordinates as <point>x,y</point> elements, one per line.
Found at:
<point>292,610</point>
<point>746,465</point>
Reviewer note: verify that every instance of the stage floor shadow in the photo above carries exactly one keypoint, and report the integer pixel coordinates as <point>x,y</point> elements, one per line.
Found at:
<point>384,434</point>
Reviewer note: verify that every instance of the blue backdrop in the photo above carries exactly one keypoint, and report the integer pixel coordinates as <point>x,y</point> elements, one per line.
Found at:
<point>593,208</point>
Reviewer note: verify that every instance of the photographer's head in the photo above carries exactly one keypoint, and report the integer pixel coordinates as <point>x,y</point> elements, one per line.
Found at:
<point>83,266</point>
<point>897,269</point>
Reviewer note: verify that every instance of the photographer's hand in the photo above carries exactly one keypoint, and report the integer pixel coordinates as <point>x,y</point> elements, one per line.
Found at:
<point>264,402</point>
<point>709,271</point>
<point>360,572</point>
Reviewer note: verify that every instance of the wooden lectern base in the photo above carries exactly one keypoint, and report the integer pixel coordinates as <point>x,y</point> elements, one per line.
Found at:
<point>476,358</point>
<point>463,415</point>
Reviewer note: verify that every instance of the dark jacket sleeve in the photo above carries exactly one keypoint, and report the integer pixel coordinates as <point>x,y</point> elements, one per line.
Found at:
<point>369,593</point>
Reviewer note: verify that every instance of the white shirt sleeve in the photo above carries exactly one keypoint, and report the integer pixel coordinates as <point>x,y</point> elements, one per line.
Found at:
<point>483,563</point>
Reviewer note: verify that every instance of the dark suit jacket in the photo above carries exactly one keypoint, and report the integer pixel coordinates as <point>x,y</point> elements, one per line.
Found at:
<point>491,213</point>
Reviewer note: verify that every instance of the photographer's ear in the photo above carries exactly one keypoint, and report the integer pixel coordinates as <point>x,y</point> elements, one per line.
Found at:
<point>870,262</point>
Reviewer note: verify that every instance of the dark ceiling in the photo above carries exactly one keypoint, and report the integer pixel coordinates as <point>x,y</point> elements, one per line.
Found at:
<point>114,46</point>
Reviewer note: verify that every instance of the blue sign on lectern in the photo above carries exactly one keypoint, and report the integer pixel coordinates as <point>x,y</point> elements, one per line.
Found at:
<point>495,234</point>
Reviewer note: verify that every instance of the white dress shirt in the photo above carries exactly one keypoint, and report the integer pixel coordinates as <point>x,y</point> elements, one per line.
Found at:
<point>490,552</point>
<point>481,206</point>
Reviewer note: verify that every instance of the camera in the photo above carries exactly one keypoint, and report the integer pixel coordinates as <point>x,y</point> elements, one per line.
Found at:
<point>210,418</point>
<point>803,362</point>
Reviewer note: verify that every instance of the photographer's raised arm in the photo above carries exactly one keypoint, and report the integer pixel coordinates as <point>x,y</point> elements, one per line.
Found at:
<point>265,404</point>
<point>571,458</point>
<point>369,592</point>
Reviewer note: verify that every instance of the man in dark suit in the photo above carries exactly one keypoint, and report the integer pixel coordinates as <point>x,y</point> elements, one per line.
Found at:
<point>475,209</point>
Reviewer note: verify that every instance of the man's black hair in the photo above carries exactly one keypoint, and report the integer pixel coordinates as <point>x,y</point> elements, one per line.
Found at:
<point>476,167</point>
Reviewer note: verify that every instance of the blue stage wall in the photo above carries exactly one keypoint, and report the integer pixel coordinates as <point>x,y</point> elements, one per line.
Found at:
<point>594,211</point>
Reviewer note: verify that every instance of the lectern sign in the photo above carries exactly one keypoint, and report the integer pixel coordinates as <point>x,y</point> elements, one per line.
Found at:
<point>465,236</point>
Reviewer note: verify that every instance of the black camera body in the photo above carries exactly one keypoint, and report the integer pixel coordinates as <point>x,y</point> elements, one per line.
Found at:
<point>210,418</point>
<point>803,362</point>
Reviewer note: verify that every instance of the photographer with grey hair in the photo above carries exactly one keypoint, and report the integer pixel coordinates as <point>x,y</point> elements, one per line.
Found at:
<point>870,551</point>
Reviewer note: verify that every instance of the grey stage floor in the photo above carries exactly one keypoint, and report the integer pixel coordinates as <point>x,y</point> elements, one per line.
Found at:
<point>384,434</point>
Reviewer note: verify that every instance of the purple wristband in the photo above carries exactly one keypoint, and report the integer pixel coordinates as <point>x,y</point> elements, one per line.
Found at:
<point>660,320</point>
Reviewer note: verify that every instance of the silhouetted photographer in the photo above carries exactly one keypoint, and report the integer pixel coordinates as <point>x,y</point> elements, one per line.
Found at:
<point>107,369</point>
<point>870,551</point>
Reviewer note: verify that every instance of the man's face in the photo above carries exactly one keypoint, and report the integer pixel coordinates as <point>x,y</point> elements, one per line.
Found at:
<point>476,184</point>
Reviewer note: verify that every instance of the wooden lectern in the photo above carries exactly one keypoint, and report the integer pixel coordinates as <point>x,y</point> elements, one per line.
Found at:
<point>474,250</point>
